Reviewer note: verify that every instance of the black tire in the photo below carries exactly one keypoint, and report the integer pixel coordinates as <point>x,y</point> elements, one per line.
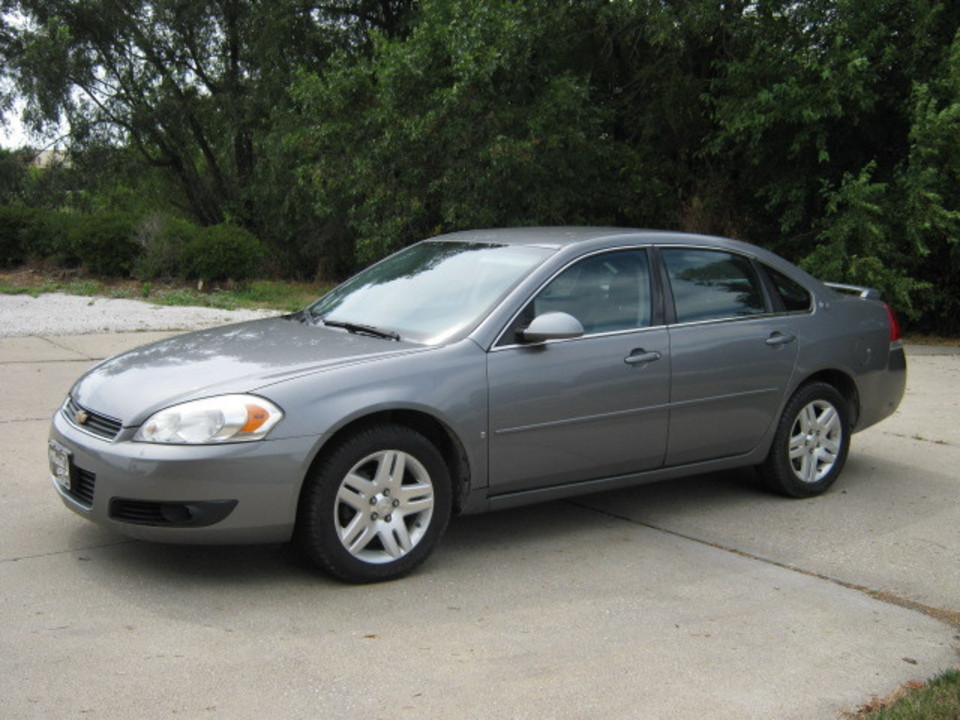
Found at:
<point>815,430</point>
<point>363,521</point>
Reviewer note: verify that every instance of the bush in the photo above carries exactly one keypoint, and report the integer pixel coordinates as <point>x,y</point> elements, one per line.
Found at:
<point>163,240</point>
<point>223,252</point>
<point>49,237</point>
<point>14,223</point>
<point>38,233</point>
<point>105,243</point>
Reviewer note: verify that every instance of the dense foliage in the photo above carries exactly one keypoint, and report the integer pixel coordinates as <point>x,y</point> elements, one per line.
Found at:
<point>826,130</point>
<point>123,245</point>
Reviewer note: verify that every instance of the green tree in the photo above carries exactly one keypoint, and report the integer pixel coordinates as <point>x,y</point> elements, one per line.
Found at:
<point>929,197</point>
<point>655,64</point>
<point>827,114</point>
<point>477,118</point>
<point>14,168</point>
<point>191,87</point>
<point>336,131</point>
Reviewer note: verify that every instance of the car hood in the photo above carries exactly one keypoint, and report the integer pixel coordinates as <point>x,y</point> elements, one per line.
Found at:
<point>229,359</point>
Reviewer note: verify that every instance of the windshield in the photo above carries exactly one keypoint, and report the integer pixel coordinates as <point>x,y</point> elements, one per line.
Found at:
<point>430,291</point>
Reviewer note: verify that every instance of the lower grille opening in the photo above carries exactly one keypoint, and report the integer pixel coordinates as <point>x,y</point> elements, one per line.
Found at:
<point>189,513</point>
<point>82,486</point>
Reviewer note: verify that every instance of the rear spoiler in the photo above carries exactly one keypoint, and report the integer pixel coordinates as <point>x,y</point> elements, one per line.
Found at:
<point>863,292</point>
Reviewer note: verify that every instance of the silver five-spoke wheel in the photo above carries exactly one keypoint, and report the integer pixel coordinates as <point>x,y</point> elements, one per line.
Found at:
<point>383,506</point>
<point>810,445</point>
<point>376,503</point>
<point>815,441</point>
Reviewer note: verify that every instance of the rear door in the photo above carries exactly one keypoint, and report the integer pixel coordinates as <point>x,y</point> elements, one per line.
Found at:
<point>732,355</point>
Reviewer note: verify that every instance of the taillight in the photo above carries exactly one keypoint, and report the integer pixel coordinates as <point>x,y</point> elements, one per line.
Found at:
<point>894,323</point>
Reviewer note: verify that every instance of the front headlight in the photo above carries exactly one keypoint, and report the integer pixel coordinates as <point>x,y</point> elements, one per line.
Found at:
<point>227,418</point>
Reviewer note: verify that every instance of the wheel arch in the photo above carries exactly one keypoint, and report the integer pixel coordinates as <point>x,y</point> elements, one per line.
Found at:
<point>844,384</point>
<point>434,430</point>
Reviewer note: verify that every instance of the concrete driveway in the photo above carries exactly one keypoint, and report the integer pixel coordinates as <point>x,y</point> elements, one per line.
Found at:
<point>702,598</point>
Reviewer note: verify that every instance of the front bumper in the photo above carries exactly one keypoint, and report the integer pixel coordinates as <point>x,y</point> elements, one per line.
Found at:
<point>201,494</point>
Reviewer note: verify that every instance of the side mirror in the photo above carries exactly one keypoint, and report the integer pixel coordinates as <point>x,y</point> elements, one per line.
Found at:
<point>552,326</point>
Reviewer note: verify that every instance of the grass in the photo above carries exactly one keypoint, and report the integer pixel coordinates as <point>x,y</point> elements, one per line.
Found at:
<point>259,294</point>
<point>76,287</point>
<point>938,699</point>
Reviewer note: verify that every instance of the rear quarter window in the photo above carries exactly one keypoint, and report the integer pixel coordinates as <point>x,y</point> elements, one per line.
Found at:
<point>795,297</point>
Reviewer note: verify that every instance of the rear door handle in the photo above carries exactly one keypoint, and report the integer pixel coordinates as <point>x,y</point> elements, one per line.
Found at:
<point>779,338</point>
<point>641,357</point>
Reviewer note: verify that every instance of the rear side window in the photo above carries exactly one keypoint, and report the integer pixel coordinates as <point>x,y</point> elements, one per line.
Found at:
<point>711,285</point>
<point>794,295</point>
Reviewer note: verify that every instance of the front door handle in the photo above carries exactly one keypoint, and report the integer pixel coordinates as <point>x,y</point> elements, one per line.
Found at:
<point>779,338</point>
<point>641,357</point>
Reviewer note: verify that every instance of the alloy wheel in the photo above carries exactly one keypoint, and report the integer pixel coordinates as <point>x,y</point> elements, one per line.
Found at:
<point>815,441</point>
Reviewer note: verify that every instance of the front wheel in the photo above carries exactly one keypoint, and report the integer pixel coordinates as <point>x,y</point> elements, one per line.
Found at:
<point>376,505</point>
<point>811,442</point>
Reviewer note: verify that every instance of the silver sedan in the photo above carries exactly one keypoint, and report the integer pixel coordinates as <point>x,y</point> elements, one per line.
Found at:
<point>477,371</point>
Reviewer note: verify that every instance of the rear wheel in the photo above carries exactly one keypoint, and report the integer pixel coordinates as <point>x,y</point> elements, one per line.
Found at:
<point>811,443</point>
<point>376,505</point>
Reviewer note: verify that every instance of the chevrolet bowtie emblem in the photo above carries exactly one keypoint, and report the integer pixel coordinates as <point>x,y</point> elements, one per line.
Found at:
<point>81,417</point>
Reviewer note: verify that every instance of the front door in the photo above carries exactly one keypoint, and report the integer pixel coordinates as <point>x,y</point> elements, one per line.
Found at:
<point>585,408</point>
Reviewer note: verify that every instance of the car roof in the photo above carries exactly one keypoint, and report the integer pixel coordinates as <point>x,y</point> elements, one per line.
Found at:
<point>564,236</point>
<point>570,237</point>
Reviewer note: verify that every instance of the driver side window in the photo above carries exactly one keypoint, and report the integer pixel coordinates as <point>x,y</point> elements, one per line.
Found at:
<point>609,292</point>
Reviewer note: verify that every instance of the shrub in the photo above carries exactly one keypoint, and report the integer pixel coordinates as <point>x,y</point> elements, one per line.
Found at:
<point>222,252</point>
<point>14,223</point>
<point>163,240</point>
<point>47,235</point>
<point>105,243</point>
<point>102,243</point>
<point>57,238</point>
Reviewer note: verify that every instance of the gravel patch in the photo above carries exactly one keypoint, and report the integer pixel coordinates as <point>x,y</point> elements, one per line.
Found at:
<point>59,314</point>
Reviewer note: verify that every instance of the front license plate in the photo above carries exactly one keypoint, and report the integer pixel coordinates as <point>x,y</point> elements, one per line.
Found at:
<point>60,464</point>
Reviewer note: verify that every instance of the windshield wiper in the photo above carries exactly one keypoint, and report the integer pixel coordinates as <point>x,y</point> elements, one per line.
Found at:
<point>359,329</point>
<point>300,315</point>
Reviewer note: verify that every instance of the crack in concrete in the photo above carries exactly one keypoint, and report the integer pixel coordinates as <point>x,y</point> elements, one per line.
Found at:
<point>79,356</point>
<point>47,339</point>
<point>944,615</point>
<point>54,553</point>
<point>919,438</point>
<point>47,362</point>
